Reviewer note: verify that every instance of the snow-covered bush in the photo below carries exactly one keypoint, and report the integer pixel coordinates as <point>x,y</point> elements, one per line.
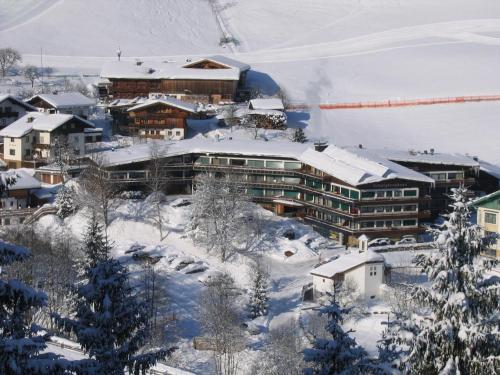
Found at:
<point>66,201</point>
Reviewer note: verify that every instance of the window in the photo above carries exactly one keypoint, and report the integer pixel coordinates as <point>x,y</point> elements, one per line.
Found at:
<point>27,139</point>
<point>373,270</point>
<point>380,194</point>
<point>6,222</point>
<point>367,224</point>
<point>27,152</point>
<point>12,140</point>
<point>12,152</point>
<point>354,194</point>
<point>256,163</point>
<point>388,193</point>
<point>178,133</point>
<point>292,165</point>
<point>398,193</point>
<point>368,194</point>
<point>344,192</point>
<point>409,223</point>
<point>203,160</point>
<point>490,218</point>
<point>410,193</point>
<point>238,162</point>
<point>274,164</point>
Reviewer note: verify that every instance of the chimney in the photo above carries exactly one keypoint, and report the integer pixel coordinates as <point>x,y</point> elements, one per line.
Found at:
<point>320,146</point>
<point>360,146</point>
<point>432,151</point>
<point>475,158</point>
<point>425,152</point>
<point>30,119</point>
<point>138,62</point>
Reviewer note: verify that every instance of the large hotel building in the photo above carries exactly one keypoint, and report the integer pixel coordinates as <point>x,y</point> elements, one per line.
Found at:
<point>342,192</point>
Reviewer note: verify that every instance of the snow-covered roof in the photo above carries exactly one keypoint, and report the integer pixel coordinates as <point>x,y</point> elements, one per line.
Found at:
<point>340,163</point>
<point>65,99</point>
<point>347,262</point>
<point>141,152</point>
<point>29,107</point>
<point>427,157</point>
<point>167,101</point>
<point>491,169</point>
<point>24,181</point>
<point>268,103</point>
<point>358,166</point>
<point>40,121</point>
<point>174,69</point>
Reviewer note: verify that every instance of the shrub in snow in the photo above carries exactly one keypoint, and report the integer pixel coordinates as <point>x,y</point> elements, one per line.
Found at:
<point>299,136</point>
<point>460,334</point>
<point>21,342</point>
<point>109,323</point>
<point>338,354</point>
<point>65,201</point>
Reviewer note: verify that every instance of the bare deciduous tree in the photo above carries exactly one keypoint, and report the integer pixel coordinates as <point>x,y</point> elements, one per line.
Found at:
<point>157,182</point>
<point>97,190</point>
<point>31,73</point>
<point>8,58</point>
<point>283,352</point>
<point>222,323</point>
<point>219,213</point>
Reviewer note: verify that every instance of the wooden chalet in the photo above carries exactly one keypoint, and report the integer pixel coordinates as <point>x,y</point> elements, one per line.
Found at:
<point>11,109</point>
<point>164,118</point>
<point>71,103</point>
<point>207,80</point>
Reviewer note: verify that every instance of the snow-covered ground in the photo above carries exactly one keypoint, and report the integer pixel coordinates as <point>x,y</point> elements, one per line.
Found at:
<point>131,225</point>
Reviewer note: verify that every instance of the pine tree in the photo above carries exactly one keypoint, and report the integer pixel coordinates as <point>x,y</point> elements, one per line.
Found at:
<point>258,295</point>
<point>299,136</point>
<point>20,341</point>
<point>341,354</point>
<point>460,335</point>
<point>109,323</point>
<point>65,201</point>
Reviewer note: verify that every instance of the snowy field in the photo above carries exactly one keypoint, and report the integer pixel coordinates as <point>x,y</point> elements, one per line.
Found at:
<point>319,51</point>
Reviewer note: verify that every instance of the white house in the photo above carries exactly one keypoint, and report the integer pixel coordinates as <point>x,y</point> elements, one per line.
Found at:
<point>11,109</point>
<point>71,103</point>
<point>31,139</point>
<point>365,269</point>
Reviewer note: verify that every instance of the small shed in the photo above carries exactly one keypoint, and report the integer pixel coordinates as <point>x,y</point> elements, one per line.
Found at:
<point>365,269</point>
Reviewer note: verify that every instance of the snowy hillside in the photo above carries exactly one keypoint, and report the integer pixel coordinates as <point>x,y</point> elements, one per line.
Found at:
<point>320,51</point>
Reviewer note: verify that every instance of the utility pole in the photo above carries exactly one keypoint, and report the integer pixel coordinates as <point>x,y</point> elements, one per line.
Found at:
<point>41,67</point>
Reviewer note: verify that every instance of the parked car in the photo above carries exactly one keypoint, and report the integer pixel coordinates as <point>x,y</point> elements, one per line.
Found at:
<point>406,240</point>
<point>379,242</point>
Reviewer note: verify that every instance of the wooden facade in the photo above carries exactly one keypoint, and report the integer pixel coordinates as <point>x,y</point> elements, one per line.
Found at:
<point>205,91</point>
<point>154,120</point>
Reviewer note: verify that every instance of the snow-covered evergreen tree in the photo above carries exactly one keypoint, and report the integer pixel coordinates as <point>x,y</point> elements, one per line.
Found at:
<point>21,343</point>
<point>299,136</point>
<point>109,322</point>
<point>258,303</point>
<point>65,201</point>
<point>460,335</point>
<point>338,355</point>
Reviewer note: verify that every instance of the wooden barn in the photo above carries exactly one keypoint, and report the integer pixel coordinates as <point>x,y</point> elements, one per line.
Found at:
<point>207,80</point>
<point>163,118</point>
